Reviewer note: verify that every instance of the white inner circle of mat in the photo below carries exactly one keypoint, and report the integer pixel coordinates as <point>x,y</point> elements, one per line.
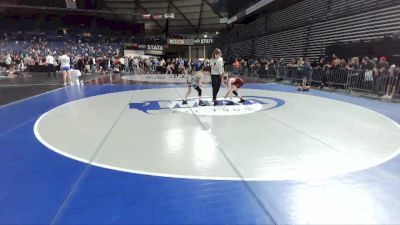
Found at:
<point>308,137</point>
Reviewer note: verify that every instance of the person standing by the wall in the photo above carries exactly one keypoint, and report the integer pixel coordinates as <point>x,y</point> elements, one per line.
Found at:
<point>217,71</point>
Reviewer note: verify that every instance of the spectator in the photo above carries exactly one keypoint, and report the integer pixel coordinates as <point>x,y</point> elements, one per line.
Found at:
<point>368,66</point>
<point>382,66</point>
<point>304,85</point>
<point>307,70</point>
<point>50,64</point>
<point>292,68</point>
<point>342,64</point>
<point>393,81</point>
<point>236,66</point>
<point>354,64</point>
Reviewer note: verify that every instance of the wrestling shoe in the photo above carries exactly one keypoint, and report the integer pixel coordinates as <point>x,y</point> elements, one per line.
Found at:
<point>184,102</point>
<point>201,103</point>
<point>242,100</point>
<point>216,102</point>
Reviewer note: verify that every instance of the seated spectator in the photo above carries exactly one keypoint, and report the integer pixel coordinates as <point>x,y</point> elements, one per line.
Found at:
<point>304,85</point>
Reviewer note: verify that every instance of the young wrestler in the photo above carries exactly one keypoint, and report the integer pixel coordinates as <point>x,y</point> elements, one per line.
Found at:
<point>196,81</point>
<point>233,85</point>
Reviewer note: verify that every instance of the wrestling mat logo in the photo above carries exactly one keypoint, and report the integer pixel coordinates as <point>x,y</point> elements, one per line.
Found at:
<point>251,105</point>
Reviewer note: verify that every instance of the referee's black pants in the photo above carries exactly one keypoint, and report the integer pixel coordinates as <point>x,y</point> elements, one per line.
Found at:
<point>50,68</point>
<point>216,84</point>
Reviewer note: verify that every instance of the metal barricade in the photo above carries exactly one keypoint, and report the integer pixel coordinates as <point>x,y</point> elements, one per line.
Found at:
<point>361,80</point>
<point>372,82</point>
<point>262,72</point>
<point>348,79</point>
<point>318,75</point>
<point>280,72</point>
<point>337,77</point>
<point>271,72</point>
<point>294,75</point>
<point>243,70</point>
<point>396,91</point>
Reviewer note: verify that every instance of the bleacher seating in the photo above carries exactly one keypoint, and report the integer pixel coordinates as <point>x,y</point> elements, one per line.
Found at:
<point>297,15</point>
<point>306,28</point>
<point>365,26</point>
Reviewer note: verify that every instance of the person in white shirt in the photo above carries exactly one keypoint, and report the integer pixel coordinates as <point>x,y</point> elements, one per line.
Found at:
<point>136,66</point>
<point>122,62</point>
<point>65,67</point>
<point>217,72</point>
<point>94,65</point>
<point>50,64</point>
<point>75,75</point>
<point>8,61</point>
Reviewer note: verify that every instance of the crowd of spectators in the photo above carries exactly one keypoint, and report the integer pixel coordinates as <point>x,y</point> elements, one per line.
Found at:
<point>29,53</point>
<point>32,53</point>
<point>372,74</point>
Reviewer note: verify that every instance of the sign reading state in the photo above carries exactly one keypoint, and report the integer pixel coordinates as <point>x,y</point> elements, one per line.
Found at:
<point>197,41</point>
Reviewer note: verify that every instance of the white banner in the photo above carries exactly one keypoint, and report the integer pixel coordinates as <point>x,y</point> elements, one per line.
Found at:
<point>223,20</point>
<point>133,53</point>
<point>70,4</point>
<point>157,16</point>
<point>203,41</point>
<point>169,15</point>
<point>146,16</point>
<point>176,41</point>
<point>231,20</point>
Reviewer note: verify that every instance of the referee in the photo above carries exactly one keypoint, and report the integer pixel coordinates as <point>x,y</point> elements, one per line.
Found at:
<point>50,64</point>
<point>217,72</point>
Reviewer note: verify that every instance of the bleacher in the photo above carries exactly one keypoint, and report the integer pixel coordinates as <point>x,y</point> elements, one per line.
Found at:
<point>350,7</point>
<point>281,45</point>
<point>306,28</point>
<point>297,15</point>
<point>363,26</point>
<point>73,48</point>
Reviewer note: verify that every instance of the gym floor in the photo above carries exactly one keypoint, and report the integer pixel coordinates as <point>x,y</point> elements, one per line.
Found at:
<point>124,150</point>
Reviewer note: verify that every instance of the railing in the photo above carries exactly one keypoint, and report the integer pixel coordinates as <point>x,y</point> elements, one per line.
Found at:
<point>380,83</point>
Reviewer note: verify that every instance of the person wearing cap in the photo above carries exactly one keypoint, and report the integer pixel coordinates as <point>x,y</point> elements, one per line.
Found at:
<point>217,72</point>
